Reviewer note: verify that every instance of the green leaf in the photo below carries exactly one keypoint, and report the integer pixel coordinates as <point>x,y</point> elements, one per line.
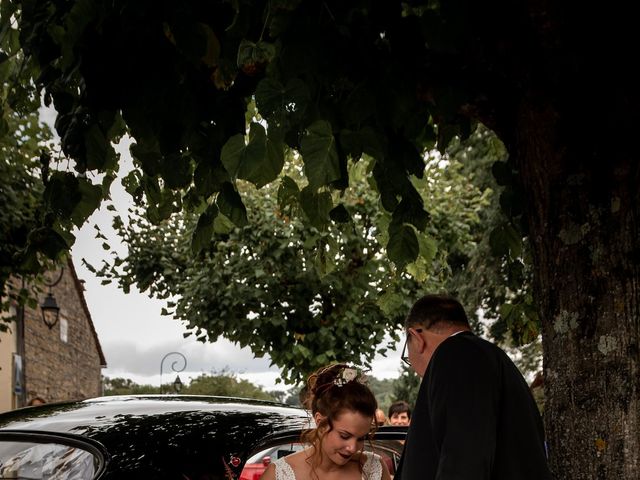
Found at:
<point>148,155</point>
<point>260,161</point>
<point>273,164</point>
<point>68,237</point>
<point>411,211</point>
<point>100,153</point>
<point>204,229</point>
<point>176,170</point>
<point>330,252</point>
<point>273,98</point>
<point>88,266</point>
<point>4,126</point>
<point>365,140</point>
<point>131,184</point>
<point>107,180</point>
<point>196,41</point>
<point>390,302</point>
<point>52,243</point>
<point>209,178</point>
<point>223,225</point>
<point>250,53</point>
<point>30,262</point>
<point>81,14</point>
<point>169,203</point>
<point>316,206</point>
<point>428,247</point>
<point>230,204</point>
<point>237,155</point>
<point>62,193</point>
<point>92,196</point>
<point>318,149</point>
<point>340,214</point>
<point>212,52</point>
<point>288,192</point>
<point>192,202</point>
<point>510,313</point>
<point>403,246</point>
<point>117,129</point>
<point>505,240</point>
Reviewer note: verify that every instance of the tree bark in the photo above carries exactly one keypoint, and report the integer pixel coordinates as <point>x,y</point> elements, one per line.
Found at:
<point>584,226</point>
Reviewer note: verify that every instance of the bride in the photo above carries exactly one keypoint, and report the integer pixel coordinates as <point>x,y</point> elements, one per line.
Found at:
<point>344,410</point>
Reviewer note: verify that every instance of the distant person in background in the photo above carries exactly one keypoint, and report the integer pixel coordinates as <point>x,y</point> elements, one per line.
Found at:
<point>381,418</point>
<point>35,401</point>
<point>400,413</point>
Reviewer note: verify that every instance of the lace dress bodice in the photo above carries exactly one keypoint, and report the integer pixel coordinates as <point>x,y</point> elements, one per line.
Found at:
<point>371,470</point>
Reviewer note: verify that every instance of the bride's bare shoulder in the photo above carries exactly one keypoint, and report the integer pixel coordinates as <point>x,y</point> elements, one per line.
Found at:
<point>299,459</point>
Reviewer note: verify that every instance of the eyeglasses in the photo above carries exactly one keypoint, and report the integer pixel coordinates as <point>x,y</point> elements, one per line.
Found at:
<point>403,356</point>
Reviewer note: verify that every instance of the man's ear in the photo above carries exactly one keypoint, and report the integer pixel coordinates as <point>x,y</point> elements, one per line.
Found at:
<point>420,344</point>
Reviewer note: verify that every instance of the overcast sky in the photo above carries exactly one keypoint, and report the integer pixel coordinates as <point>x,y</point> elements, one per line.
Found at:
<point>135,337</point>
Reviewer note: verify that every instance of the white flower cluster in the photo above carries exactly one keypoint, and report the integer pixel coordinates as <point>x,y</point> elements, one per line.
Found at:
<point>348,375</point>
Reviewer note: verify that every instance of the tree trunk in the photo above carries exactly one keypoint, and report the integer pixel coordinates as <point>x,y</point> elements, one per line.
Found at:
<point>584,226</point>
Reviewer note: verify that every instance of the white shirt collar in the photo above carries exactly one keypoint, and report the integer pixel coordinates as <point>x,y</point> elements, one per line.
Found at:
<point>456,333</point>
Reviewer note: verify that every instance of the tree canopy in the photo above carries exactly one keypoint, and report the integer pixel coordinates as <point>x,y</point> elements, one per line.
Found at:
<point>309,296</point>
<point>336,81</point>
<point>193,68</point>
<point>24,145</point>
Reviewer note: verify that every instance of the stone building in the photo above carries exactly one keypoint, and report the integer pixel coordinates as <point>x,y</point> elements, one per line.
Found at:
<point>61,362</point>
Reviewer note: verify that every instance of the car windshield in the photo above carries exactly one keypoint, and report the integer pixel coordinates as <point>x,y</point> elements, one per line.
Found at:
<point>45,461</point>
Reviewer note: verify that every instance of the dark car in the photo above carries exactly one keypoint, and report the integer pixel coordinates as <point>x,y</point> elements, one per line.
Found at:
<point>153,437</point>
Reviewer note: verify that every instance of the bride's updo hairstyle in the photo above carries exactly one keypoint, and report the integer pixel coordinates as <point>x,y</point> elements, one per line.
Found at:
<point>335,389</point>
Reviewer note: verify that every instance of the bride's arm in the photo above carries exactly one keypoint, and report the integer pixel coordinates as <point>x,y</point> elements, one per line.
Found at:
<point>270,473</point>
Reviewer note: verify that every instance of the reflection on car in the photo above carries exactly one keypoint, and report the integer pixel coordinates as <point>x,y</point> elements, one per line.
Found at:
<point>23,459</point>
<point>156,437</point>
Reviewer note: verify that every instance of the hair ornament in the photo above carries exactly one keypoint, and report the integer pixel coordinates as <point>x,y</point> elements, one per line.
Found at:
<point>344,375</point>
<point>347,375</point>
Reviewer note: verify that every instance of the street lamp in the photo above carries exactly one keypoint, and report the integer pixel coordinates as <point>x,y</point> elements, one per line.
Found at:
<point>50,308</point>
<point>50,311</point>
<point>177,384</point>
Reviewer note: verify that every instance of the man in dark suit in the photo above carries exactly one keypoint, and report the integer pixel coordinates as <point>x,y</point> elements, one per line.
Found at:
<point>474,417</point>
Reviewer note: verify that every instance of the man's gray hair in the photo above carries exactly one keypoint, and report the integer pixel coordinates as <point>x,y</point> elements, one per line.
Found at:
<point>435,309</point>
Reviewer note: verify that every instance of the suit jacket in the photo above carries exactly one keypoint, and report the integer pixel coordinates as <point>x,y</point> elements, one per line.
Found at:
<point>474,418</point>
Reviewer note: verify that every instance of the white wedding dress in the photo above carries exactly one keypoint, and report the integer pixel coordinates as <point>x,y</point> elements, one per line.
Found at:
<point>371,470</point>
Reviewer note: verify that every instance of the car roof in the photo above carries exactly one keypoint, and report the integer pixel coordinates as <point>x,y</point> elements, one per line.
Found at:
<point>75,416</point>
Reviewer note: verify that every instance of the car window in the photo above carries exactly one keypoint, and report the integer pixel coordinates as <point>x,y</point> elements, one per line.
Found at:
<point>276,452</point>
<point>33,458</point>
<point>389,450</point>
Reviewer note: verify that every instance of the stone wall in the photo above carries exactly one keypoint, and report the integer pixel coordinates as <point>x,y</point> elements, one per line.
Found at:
<point>8,347</point>
<point>59,367</point>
